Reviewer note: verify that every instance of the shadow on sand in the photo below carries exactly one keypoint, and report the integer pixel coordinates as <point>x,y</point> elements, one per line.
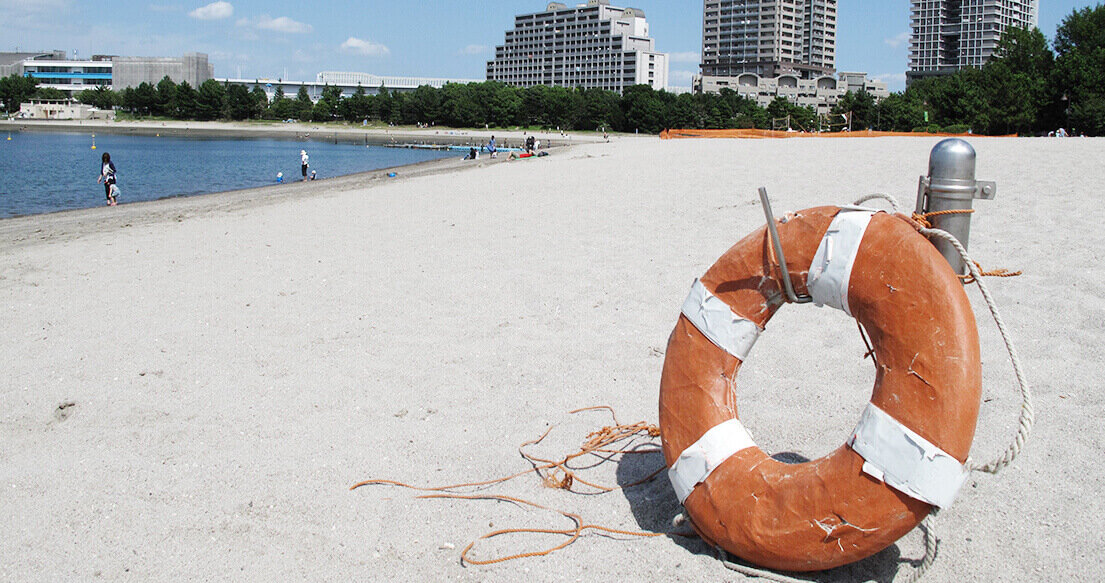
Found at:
<point>654,505</point>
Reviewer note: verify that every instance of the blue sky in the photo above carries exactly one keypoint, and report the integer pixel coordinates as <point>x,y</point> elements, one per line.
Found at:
<point>427,38</point>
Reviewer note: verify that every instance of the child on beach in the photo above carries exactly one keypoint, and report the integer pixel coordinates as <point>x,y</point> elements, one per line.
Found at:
<point>107,177</point>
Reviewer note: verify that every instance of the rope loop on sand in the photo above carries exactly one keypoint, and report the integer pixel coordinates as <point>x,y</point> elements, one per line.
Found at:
<point>723,556</point>
<point>928,530</point>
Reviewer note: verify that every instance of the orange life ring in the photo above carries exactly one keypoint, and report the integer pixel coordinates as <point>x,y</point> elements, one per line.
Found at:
<point>914,437</point>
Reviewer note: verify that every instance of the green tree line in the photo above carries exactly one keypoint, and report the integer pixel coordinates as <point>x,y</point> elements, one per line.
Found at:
<point>1028,87</point>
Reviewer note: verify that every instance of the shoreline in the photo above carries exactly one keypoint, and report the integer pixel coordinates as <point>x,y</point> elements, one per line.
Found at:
<point>72,223</point>
<point>299,131</point>
<point>207,130</point>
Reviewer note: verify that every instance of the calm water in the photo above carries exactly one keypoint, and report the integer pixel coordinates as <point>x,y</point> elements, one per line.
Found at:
<point>47,172</point>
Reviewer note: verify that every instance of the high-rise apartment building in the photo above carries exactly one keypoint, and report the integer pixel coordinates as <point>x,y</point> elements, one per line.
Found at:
<point>949,35</point>
<point>769,38</point>
<point>591,45</point>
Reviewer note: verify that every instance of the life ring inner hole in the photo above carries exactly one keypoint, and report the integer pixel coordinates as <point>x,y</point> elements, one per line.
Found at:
<point>805,383</point>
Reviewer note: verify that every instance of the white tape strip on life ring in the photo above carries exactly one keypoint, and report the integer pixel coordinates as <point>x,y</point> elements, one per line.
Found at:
<point>717,322</point>
<point>831,269</point>
<point>700,460</point>
<point>905,461</point>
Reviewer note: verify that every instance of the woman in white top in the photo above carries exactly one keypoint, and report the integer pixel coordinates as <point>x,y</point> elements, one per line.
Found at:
<point>303,162</point>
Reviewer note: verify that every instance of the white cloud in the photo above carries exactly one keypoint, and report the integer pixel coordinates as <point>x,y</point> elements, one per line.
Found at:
<point>283,24</point>
<point>690,57</point>
<point>474,50</point>
<point>364,47</point>
<point>213,11</point>
<point>899,40</point>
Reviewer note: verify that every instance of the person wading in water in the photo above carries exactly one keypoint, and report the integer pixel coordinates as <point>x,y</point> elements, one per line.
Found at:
<point>107,177</point>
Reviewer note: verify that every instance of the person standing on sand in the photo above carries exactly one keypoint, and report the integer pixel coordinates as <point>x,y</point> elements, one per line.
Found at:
<point>303,161</point>
<point>107,177</point>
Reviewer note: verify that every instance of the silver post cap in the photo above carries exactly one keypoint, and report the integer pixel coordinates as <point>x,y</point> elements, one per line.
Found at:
<point>952,159</point>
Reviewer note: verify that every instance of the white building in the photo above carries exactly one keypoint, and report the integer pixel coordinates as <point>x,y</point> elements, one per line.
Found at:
<point>769,38</point>
<point>56,70</point>
<point>948,35</point>
<point>51,109</point>
<point>856,82</point>
<point>592,45</point>
<point>819,93</point>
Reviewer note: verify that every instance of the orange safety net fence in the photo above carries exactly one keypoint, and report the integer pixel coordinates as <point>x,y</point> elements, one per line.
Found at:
<point>754,134</point>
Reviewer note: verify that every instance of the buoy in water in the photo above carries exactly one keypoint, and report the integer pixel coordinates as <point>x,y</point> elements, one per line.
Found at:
<point>93,141</point>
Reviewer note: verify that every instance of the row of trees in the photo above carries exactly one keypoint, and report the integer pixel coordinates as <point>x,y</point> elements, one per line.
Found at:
<point>15,89</point>
<point>1028,87</point>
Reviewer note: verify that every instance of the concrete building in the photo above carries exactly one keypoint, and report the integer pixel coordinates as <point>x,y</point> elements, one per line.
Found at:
<point>949,35</point>
<point>51,109</point>
<point>56,70</point>
<point>133,71</point>
<point>856,82</point>
<point>592,45</point>
<point>820,93</point>
<point>769,38</point>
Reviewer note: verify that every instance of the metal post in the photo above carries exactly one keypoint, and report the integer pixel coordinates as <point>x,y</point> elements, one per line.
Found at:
<point>951,186</point>
<point>788,287</point>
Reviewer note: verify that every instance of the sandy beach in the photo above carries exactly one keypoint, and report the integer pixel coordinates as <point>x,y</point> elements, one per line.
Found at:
<point>192,385</point>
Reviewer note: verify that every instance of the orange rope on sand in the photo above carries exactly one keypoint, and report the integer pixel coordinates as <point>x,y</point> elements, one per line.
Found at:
<point>573,534</point>
<point>554,474</point>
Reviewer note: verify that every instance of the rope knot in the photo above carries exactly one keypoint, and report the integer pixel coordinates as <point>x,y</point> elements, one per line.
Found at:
<point>565,483</point>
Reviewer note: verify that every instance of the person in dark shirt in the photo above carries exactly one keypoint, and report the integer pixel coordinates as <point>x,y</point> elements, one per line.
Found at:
<point>107,177</point>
